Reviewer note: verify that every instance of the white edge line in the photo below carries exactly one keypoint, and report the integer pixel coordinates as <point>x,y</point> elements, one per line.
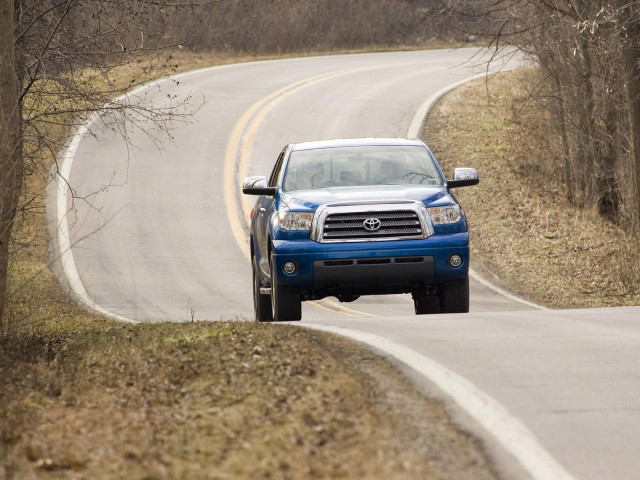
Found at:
<point>422,112</point>
<point>476,276</point>
<point>508,430</point>
<point>414,132</point>
<point>62,179</point>
<point>64,242</point>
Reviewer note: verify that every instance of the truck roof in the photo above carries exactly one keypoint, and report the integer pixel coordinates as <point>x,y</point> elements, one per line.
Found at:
<point>357,142</point>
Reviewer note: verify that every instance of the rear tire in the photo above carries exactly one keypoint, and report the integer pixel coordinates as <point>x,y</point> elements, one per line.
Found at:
<point>261,303</point>
<point>286,305</point>
<point>454,296</point>
<point>426,304</point>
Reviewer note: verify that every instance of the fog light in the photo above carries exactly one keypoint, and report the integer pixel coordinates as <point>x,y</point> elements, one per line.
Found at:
<point>289,268</point>
<point>455,260</point>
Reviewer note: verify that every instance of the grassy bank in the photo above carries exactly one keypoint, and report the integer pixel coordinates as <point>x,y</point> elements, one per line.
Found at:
<point>525,236</point>
<point>216,400</point>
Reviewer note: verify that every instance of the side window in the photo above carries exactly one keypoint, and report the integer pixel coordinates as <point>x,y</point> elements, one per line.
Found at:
<point>273,180</point>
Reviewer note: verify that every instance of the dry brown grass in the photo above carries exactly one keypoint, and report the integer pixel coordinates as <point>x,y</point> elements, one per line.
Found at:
<point>217,400</point>
<point>524,233</point>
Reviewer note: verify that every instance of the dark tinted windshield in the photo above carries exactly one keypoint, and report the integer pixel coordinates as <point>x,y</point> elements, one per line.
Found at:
<point>353,166</point>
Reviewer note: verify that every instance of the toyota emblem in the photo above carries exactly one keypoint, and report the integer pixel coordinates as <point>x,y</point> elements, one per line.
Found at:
<point>372,224</point>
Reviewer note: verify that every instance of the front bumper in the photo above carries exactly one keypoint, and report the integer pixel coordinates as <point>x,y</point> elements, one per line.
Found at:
<point>371,267</point>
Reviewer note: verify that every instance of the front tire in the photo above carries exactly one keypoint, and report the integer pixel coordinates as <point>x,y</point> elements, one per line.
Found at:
<point>261,303</point>
<point>426,304</point>
<point>286,305</point>
<point>454,296</point>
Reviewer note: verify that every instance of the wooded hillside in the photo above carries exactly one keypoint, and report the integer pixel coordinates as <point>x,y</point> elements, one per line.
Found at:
<point>589,58</point>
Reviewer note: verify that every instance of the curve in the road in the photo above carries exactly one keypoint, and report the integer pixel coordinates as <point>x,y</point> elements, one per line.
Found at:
<point>63,237</point>
<point>236,166</point>
<point>507,430</point>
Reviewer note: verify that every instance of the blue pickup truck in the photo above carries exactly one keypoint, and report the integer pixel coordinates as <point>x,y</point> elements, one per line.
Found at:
<point>354,217</point>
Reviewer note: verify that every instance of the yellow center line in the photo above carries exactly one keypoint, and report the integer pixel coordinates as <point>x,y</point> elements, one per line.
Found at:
<point>321,305</point>
<point>229,169</point>
<point>332,303</point>
<point>246,148</point>
<point>236,167</point>
<point>233,171</point>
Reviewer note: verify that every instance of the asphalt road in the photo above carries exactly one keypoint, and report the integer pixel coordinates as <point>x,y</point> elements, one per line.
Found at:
<point>159,233</point>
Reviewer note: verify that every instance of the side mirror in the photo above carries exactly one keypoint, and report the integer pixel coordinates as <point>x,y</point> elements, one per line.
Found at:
<point>257,186</point>
<point>464,177</point>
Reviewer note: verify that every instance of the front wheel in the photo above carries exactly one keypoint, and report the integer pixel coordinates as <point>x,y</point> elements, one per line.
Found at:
<point>286,305</point>
<point>426,304</point>
<point>454,296</point>
<point>261,303</point>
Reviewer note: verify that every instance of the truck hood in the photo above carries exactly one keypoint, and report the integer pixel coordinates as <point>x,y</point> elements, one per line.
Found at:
<point>310,200</point>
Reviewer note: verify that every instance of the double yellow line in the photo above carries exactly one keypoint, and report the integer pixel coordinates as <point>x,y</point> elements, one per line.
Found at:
<point>236,167</point>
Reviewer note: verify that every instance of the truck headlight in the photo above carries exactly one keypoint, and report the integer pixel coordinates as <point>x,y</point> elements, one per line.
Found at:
<point>443,215</point>
<point>295,220</point>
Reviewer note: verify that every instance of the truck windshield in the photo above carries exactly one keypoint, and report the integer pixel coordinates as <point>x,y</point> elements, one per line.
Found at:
<point>355,166</point>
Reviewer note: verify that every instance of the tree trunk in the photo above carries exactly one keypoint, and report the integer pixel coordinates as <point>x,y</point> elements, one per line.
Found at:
<point>589,126</point>
<point>562,122</point>
<point>11,161</point>
<point>631,65</point>
<point>609,196</point>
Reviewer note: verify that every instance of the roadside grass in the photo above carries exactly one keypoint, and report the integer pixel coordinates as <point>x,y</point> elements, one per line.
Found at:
<point>217,400</point>
<point>524,234</point>
<point>82,396</point>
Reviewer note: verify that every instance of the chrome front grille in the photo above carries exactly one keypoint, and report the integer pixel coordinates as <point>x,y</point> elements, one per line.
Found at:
<point>401,220</point>
<point>351,226</point>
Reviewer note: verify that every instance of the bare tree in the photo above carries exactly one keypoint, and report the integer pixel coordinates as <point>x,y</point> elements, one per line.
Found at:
<point>11,160</point>
<point>630,40</point>
<point>279,26</point>
<point>55,69</point>
<point>580,46</point>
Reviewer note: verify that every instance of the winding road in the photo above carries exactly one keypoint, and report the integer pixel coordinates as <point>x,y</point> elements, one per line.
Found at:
<point>156,230</point>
